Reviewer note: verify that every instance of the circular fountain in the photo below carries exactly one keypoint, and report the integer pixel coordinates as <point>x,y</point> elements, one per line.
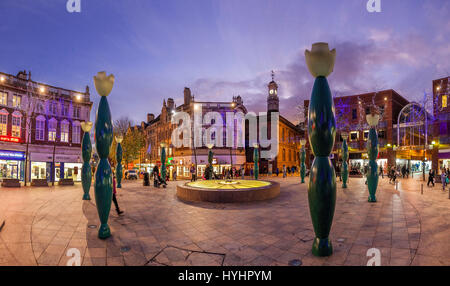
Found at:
<point>228,191</point>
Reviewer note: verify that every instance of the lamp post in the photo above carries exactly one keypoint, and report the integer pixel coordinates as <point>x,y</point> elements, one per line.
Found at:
<point>344,150</point>
<point>86,152</point>
<point>372,151</point>
<point>321,132</point>
<point>103,139</point>
<point>119,171</point>
<point>210,159</point>
<point>255,160</point>
<point>302,160</point>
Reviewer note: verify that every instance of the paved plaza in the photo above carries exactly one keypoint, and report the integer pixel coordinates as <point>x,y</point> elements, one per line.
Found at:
<point>43,224</point>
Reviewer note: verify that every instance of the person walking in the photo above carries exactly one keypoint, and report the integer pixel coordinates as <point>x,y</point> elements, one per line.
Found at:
<point>444,179</point>
<point>242,172</point>
<point>284,171</point>
<point>119,212</point>
<point>174,175</point>
<point>278,171</point>
<point>381,172</point>
<point>431,178</point>
<point>193,178</point>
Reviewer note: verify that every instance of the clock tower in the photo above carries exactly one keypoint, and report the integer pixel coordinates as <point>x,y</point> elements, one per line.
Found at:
<point>273,103</point>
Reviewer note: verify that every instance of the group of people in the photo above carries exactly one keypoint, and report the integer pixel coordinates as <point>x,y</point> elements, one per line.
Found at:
<point>445,175</point>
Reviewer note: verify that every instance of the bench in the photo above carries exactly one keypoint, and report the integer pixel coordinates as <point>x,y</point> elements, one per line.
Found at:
<point>11,183</point>
<point>65,182</point>
<point>39,183</point>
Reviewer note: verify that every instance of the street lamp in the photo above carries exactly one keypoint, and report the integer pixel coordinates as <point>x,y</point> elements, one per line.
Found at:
<point>344,136</point>
<point>302,159</point>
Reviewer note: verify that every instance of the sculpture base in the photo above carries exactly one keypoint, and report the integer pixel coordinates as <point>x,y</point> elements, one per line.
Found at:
<point>322,247</point>
<point>104,231</point>
<point>344,186</point>
<point>372,199</point>
<point>86,197</point>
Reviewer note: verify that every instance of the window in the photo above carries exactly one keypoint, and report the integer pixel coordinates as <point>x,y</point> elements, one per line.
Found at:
<point>290,155</point>
<point>4,122</point>
<point>444,101</point>
<point>381,110</point>
<point>64,131</point>
<point>354,114</point>
<point>284,155</point>
<point>17,99</point>
<point>3,98</point>
<point>52,129</point>
<point>366,134</point>
<point>16,124</point>
<point>381,134</point>
<point>367,110</point>
<point>52,108</point>
<point>65,110</point>
<point>40,127</point>
<point>76,112</point>
<point>76,132</point>
<point>354,136</point>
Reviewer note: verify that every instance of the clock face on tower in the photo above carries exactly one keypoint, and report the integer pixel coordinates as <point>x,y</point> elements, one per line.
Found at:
<point>271,91</point>
<point>275,91</point>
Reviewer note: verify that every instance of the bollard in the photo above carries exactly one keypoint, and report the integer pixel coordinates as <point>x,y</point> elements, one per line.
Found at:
<point>421,189</point>
<point>396,186</point>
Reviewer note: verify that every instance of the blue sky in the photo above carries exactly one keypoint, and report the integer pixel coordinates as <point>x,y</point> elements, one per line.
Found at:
<point>224,48</point>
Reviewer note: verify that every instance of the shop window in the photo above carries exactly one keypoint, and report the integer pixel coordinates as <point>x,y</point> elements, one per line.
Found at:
<point>17,99</point>
<point>3,98</point>
<point>354,114</point>
<point>40,127</point>
<point>444,101</point>
<point>52,129</point>
<point>65,131</point>
<point>354,136</point>
<point>366,134</point>
<point>16,125</point>
<point>3,122</point>
<point>76,132</point>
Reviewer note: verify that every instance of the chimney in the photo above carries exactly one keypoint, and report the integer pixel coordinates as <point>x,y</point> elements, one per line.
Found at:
<point>170,103</point>
<point>150,117</point>
<point>187,95</point>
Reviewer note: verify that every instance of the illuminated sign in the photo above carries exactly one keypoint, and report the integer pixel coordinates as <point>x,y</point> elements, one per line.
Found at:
<point>12,155</point>
<point>9,139</point>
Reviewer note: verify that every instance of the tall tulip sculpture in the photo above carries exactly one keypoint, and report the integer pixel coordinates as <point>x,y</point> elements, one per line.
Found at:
<point>210,160</point>
<point>103,139</point>
<point>344,136</point>
<point>255,160</point>
<point>321,134</point>
<point>119,152</point>
<point>86,150</point>
<point>372,151</point>
<point>163,161</point>
<point>302,160</point>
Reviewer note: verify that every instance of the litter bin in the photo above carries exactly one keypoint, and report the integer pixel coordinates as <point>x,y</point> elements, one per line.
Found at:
<point>146,179</point>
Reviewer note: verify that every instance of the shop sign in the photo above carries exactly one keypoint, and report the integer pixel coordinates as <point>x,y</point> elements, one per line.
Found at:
<point>12,155</point>
<point>9,139</point>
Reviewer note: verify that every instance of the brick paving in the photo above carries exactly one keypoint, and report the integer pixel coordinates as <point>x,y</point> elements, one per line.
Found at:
<point>43,224</point>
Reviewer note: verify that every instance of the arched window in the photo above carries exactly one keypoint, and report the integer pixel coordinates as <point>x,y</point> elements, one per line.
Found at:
<point>64,131</point>
<point>40,127</point>
<point>4,122</point>
<point>290,155</point>
<point>284,154</point>
<point>52,123</point>
<point>76,132</point>
<point>16,124</point>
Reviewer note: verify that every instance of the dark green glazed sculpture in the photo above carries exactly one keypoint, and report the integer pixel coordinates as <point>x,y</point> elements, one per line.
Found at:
<point>302,163</point>
<point>372,151</point>
<point>321,135</point>
<point>86,150</point>
<point>210,161</point>
<point>344,161</point>
<point>163,162</point>
<point>103,140</point>
<point>119,153</point>
<point>255,160</point>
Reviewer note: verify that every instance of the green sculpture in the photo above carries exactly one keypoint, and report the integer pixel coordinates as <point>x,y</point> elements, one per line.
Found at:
<point>302,160</point>
<point>321,135</point>
<point>163,161</point>
<point>103,139</point>
<point>210,160</point>
<point>86,150</point>
<point>256,160</point>
<point>344,160</point>
<point>372,151</point>
<point>119,152</point>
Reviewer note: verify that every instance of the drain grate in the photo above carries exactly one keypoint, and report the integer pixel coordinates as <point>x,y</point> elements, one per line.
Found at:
<point>125,249</point>
<point>92,226</point>
<point>295,262</point>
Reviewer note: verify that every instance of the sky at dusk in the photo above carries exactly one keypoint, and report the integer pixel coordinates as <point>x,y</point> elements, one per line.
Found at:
<point>221,49</point>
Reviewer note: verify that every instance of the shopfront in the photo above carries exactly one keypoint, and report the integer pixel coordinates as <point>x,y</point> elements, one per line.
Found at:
<point>12,164</point>
<point>66,167</point>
